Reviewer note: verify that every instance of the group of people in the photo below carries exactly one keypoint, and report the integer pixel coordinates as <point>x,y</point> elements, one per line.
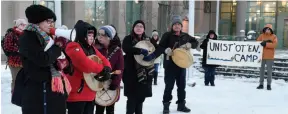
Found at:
<point>52,84</point>
<point>45,82</point>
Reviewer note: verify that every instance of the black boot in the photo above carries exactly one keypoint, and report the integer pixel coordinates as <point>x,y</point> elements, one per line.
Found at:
<point>182,108</point>
<point>269,87</point>
<point>212,83</point>
<point>206,83</point>
<point>155,78</point>
<point>260,87</point>
<point>166,108</point>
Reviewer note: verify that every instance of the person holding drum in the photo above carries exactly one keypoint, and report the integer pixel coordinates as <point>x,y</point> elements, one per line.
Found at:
<point>169,41</point>
<point>83,56</point>
<point>137,79</point>
<point>209,69</point>
<point>109,47</point>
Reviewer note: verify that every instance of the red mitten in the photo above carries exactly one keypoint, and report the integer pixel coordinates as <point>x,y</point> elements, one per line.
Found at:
<point>61,42</point>
<point>62,63</point>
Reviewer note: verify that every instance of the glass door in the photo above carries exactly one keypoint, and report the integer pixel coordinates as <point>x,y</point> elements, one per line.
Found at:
<point>285,35</point>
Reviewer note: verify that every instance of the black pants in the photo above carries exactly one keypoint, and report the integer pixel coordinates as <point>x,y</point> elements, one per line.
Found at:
<point>134,105</point>
<point>172,75</point>
<point>156,65</point>
<point>100,109</point>
<point>209,74</point>
<point>83,107</point>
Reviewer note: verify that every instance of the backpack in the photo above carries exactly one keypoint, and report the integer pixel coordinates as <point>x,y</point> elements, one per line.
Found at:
<point>3,39</point>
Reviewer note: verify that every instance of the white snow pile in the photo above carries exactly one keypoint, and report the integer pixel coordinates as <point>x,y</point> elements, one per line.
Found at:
<point>229,96</point>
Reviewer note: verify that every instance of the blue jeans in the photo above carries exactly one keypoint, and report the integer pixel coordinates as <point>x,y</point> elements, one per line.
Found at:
<point>209,74</point>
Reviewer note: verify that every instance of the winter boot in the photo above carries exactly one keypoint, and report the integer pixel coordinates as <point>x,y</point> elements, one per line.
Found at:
<point>212,83</point>
<point>206,83</point>
<point>166,108</point>
<point>182,108</point>
<point>260,87</point>
<point>269,87</point>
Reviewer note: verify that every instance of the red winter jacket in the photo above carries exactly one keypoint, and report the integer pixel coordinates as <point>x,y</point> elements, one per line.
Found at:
<point>82,63</point>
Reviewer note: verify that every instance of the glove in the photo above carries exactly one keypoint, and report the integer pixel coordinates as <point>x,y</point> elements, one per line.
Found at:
<point>113,87</point>
<point>61,42</point>
<point>144,52</point>
<point>149,57</point>
<point>186,46</point>
<point>104,74</point>
<point>168,51</point>
<point>263,43</point>
<point>269,41</point>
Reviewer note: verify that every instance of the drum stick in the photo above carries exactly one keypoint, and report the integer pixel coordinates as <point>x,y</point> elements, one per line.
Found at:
<point>167,56</point>
<point>116,72</point>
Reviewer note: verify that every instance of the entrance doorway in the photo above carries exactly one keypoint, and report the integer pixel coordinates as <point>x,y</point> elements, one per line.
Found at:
<point>285,35</point>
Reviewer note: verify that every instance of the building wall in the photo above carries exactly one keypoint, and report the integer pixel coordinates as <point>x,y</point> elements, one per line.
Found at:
<point>11,10</point>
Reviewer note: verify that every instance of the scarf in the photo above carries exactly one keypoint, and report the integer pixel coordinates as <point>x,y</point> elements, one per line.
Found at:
<point>57,76</point>
<point>143,72</point>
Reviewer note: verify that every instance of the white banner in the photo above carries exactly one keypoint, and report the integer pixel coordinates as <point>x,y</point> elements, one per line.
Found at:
<point>234,53</point>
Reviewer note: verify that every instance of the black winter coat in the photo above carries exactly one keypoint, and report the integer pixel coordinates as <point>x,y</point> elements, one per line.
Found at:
<point>204,47</point>
<point>131,85</point>
<point>37,71</point>
<point>170,40</point>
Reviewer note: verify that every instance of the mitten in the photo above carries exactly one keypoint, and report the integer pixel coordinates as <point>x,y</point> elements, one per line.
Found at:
<point>263,43</point>
<point>149,57</point>
<point>144,52</point>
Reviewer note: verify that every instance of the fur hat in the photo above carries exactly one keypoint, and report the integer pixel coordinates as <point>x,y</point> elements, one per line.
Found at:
<point>176,19</point>
<point>38,13</point>
<point>109,31</point>
<point>18,22</point>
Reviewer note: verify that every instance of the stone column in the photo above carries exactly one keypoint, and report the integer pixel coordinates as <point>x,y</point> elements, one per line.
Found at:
<point>72,11</point>
<point>240,16</point>
<point>58,13</point>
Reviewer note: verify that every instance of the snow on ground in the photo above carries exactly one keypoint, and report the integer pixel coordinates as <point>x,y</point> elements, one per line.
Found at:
<point>230,96</point>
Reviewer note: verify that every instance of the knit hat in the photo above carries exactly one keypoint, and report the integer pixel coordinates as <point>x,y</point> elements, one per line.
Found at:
<point>38,13</point>
<point>138,21</point>
<point>154,33</point>
<point>176,19</point>
<point>268,25</point>
<point>18,22</point>
<point>109,31</point>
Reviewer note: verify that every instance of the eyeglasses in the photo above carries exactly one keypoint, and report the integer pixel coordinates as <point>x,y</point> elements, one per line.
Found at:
<point>139,26</point>
<point>100,34</point>
<point>49,21</point>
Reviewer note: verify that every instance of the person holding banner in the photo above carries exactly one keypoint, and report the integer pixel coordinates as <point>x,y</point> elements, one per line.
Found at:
<point>269,42</point>
<point>173,73</point>
<point>209,69</point>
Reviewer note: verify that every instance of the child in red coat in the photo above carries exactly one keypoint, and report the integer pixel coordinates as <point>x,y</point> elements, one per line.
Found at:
<point>81,97</point>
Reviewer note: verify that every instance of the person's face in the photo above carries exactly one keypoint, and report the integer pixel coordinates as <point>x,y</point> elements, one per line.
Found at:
<point>155,37</point>
<point>139,29</point>
<point>21,27</point>
<point>177,27</point>
<point>102,37</point>
<point>211,36</point>
<point>46,25</point>
<point>268,31</point>
<point>90,38</point>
